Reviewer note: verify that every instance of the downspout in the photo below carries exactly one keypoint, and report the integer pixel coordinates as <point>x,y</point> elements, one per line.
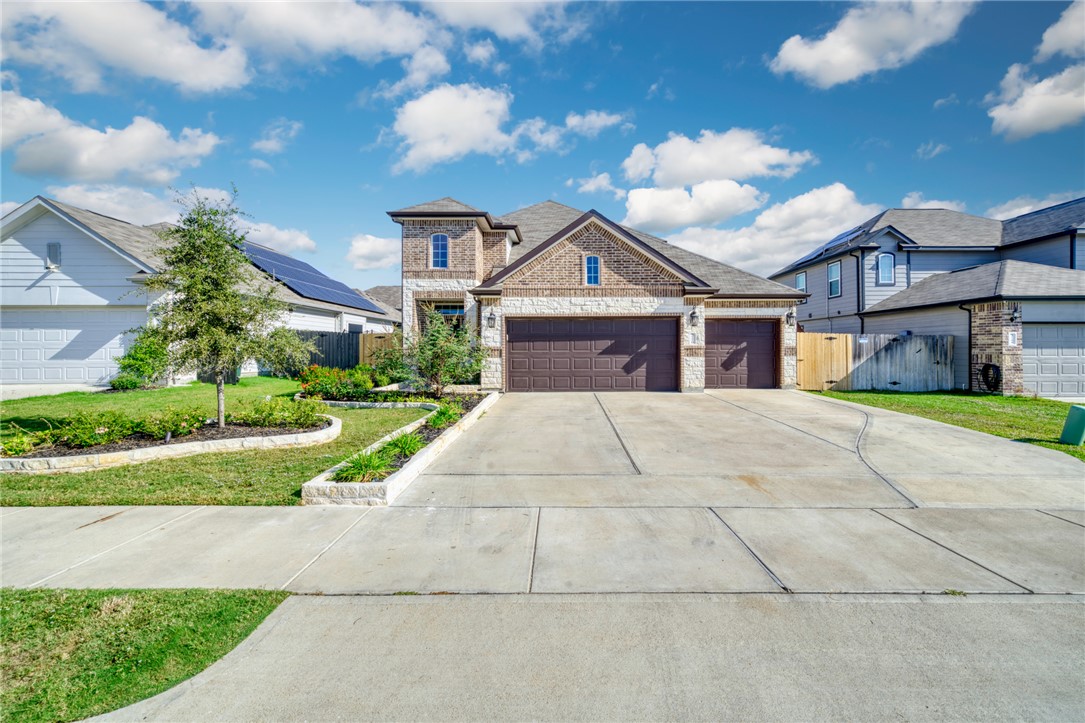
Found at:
<point>1073,249</point>
<point>962,307</point>
<point>859,290</point>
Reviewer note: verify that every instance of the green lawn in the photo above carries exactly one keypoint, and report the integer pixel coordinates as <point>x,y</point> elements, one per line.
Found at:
<point>261,477</point>
<point>70,654</point>
<point>1025,419</point>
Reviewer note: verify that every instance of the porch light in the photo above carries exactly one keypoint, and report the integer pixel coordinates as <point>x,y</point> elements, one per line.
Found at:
<point>790,318</point>
<point>1015,314</point>
<point>491,319</point>
<point>694,317</point>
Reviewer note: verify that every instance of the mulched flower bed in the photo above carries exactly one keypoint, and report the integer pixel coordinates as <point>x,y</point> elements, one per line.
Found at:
<point>467,401</point>
<point>139,441</point>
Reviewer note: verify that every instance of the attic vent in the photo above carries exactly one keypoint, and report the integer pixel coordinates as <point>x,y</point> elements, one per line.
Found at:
<point>52,257</point>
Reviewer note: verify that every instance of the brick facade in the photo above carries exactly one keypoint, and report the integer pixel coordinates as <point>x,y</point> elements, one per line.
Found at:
<point>464,248</point>
<point>996,335</point>
<point>494,253</point>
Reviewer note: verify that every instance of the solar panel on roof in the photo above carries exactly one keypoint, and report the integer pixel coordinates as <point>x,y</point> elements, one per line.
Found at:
<point>304,280</point>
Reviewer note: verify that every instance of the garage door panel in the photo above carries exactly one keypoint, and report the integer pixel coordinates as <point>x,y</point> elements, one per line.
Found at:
<point>64,345</point>
<point>1053,359</point>
<point>593,354</point>
<point>740,354</point>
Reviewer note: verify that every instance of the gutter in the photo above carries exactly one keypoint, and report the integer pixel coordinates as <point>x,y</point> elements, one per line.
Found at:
<point>968,310</point>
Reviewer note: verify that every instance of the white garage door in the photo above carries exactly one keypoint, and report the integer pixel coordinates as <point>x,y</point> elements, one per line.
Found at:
<point>63,345</point>
<point>1054,359</point>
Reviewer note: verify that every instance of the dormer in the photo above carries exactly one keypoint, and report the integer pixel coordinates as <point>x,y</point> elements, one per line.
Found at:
<point>447,239</point>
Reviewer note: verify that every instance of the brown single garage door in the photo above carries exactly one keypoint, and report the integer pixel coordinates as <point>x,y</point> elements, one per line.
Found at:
<point>592,355</point>
<point>740,354</point>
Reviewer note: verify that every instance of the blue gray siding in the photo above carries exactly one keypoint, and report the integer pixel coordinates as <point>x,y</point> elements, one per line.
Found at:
<point>924,263</point>
<point>942,320</point>
<point>1053,252</point>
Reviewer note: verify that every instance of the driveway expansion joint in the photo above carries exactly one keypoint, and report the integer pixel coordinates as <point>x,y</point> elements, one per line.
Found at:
<point>621,440</point>
<point>753,554</point>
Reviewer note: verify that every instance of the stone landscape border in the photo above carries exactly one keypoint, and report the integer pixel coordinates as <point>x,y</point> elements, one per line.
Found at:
<point>321,490</point>
<point>102,460</point>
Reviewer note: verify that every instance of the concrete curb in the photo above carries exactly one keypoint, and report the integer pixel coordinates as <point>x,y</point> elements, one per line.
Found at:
<point>89,462</point>
<point>322,491</point>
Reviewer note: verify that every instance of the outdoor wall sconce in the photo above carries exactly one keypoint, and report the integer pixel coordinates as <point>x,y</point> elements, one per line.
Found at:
<point>790,318</point>
<point>694,317</point>
<point>491,320</point>
<point>1015,315</point>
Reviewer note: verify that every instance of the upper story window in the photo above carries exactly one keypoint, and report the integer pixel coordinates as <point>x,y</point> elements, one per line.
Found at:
<point>438,251</point>
<point>887,269</point>
<point>800,284</point>
<point>52,256</point>
<point>833,275</point>
<point>591,270</point>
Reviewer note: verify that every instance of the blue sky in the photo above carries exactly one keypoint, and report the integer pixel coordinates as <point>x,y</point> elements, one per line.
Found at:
<point>749,132</point>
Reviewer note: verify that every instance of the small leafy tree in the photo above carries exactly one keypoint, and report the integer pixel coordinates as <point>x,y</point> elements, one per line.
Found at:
<point>442,355</point>
<point>147,359</point>
<point>217,311</point>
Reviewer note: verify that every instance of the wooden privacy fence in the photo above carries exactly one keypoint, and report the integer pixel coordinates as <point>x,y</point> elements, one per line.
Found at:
<point>845,362</point>
<point>347,349</point>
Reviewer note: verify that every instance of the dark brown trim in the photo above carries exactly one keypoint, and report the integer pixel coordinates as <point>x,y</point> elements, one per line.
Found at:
<point>398,216</point>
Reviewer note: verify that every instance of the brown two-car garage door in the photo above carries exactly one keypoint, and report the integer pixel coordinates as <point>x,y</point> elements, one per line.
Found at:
<point>740,354</point>
<point>564,355</point>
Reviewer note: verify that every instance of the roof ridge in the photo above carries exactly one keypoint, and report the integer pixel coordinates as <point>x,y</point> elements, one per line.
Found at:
<point>540,203</point>
<point>87,210</point>
<point>1045,208</point>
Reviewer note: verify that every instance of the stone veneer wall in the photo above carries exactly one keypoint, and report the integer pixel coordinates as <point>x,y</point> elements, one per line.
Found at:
<point>991,332</point>
<point>436,290</point>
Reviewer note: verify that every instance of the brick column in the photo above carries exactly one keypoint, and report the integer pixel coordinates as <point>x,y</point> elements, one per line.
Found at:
<point>996,339</point>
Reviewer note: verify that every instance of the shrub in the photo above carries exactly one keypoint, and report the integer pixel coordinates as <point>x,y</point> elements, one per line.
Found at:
<point>19,443</point>
<point>405,445</point>
<point>126,382</point>
<point>446,415</point>
<point>172,422</point>
<point>147,359</point>
<point>442,355</point>
<point>89,429</point>
<point>365,467</point>
<point>279,412</point>
<point>335,384</point>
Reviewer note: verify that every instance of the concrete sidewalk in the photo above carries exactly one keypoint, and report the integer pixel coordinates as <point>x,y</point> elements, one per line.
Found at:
<point>637,657</point>
<point>336,550</point>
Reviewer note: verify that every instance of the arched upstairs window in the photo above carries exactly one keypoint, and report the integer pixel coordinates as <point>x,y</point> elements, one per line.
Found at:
<point>438,251</point>
<point>887,269</point>
<point>591,270</point>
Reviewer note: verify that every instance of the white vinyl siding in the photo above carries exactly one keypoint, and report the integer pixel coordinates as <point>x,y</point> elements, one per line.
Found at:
<point>1053,252</point>
<point>938,321</point>
<point>90,273</point>
<point>312,320</point>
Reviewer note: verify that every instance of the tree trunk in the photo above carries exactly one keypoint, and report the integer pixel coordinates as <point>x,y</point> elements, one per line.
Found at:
<point>220,385</point>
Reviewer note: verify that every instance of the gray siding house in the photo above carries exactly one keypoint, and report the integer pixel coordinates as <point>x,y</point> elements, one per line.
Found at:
<point>1010,292</point>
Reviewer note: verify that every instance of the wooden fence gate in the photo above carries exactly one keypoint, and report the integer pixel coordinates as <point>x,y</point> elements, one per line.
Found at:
<point>347,349</point>
<point>843,362</point>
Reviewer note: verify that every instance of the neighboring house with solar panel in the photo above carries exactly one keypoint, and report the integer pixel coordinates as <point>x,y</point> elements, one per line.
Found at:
<point>568,300</point>
<point>71,287</point>
<point>1011,293</point>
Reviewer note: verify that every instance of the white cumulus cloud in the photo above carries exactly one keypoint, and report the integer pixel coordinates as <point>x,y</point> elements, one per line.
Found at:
<point>82,41</point>
<point>871,37</point>
<point>525,20</point>
<point>599,183</point>
<point>22,118</point>
<point>1026,105</point>
<point>737,154</point>
<point>783,232</point>
<point>915,199</point>
<point>705,204</point>
<point>7,207</point>
<point>144,151</point>
<point>373,252</point>
<point>128,203</point>
<point>1028,204</point>
<point>592,123</point>
<point>1066,36</point>
<point>480,53</point>
<point>277,134</point>
<point>286,240</point>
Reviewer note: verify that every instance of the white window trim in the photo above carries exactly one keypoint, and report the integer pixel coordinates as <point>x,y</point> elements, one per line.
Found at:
<point>599,271</point>
<point>892,269</point>
<point>448,244</point>
<point>829,280</point>
<point>804,284</point>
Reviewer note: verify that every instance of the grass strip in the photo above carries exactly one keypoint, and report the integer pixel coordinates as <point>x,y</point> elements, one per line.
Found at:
<point>70,654</point>
<point>1024,419</point>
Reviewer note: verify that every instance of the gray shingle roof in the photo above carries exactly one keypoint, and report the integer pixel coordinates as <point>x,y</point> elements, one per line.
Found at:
<point>441,205</point>
<point>539,222</point>
<point>1045,222</point>
<point>936,227</point>
<point>140,242</point>
<point>389,298</point>
<point>998,280</point>
<point>143,242</point>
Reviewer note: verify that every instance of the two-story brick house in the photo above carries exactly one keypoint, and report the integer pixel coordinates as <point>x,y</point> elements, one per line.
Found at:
<point>1012,293</point>
<point>567,300</point>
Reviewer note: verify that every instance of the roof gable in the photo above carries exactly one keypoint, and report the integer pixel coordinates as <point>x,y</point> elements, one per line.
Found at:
<point>441,205</point>
<point>593,217</point>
